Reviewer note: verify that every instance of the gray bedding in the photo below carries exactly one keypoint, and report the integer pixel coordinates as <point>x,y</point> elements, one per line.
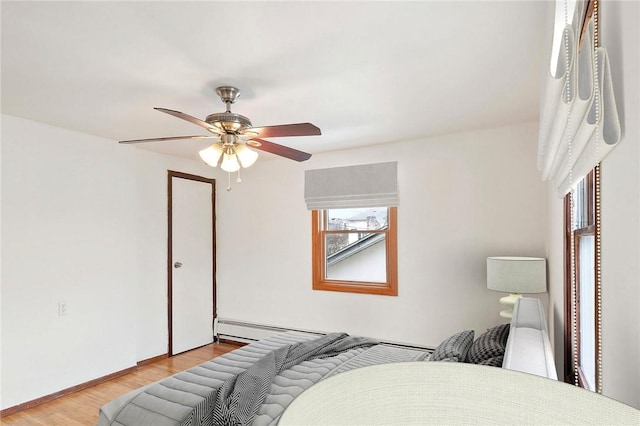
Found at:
<point>193,397</point>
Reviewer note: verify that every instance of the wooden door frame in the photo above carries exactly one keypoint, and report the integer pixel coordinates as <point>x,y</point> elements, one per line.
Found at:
<point>170,175</point>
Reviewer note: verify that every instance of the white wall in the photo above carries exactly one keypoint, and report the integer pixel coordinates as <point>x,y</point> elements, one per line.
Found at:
<point>620,192</point>
<point>621,211</point>
<point>83,221</point>
<point>555,274</point>
<point>67,235</point>
<point>1,379</point>
<point>463,197</point>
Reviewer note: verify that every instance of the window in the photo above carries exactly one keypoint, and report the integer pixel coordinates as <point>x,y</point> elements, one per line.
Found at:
<point>355,250</point>
<point>582,300</point>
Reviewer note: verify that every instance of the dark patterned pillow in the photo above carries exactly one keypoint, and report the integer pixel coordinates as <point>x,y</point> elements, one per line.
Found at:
<point>490,344</point>
<point>484,348</point>
<point>454,359</point>
<point>500,333</point>
<point>495,361</point>
<point>455,346</point>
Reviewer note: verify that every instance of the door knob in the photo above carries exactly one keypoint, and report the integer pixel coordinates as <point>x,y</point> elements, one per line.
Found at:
<point>177,265</point>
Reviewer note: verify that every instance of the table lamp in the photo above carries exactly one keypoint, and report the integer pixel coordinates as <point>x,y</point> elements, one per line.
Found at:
<point>516,275</point>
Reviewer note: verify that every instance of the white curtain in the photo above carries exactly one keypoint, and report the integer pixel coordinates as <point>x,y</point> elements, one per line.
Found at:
<point>367,185</point>
<point>579,121</point>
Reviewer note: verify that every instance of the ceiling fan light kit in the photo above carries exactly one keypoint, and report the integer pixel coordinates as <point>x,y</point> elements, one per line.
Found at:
<point>234,132</point>
<point>211,155</point>
<point>233,153</point>
<point>245,155</point>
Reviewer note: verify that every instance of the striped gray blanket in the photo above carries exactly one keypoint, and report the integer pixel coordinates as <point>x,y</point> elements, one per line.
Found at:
<point>209,393</point>
<point>240,397</point>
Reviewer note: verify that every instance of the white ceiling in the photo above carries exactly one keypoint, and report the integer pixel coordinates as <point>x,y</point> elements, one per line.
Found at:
<point>364,72</point>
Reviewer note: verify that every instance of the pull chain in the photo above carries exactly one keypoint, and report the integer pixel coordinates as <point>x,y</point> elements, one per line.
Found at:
<point>238,179</point>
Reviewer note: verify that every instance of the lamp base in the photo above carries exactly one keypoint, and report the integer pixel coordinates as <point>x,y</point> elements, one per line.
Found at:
<point>510,301</point>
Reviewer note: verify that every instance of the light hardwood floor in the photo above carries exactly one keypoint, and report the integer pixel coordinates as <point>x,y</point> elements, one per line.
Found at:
<point>81,408</point>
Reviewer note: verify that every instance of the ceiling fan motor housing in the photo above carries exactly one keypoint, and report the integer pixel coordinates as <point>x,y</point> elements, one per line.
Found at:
<point>229,122</point>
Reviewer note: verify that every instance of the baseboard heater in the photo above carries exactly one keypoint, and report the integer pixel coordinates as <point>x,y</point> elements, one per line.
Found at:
<point>246,332</point>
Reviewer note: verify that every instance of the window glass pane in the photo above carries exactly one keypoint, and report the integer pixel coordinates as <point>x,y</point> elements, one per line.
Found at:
<point>582,204</point>
<point>347,241</point>
<point>579,205</point>
<point>356,256</point>
<point>587,309</point>
<point>369,218</point>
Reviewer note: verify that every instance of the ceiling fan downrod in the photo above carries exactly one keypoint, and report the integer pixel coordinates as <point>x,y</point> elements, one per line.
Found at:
<point>228,94</point>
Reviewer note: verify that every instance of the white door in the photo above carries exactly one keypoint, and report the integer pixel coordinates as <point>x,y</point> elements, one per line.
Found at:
<point>191,263</point>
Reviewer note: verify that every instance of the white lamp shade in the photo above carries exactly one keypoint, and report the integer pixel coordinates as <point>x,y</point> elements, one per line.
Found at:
<point>246,156</point>
<point>230,163</point>
<point>517,275</point>
<point>211,155</point>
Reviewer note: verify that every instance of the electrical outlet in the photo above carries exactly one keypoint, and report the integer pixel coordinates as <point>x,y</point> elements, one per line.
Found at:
<point>63,309</point>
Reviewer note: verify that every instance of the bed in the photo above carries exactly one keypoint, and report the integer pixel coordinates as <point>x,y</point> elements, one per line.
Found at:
<point>252,385</point>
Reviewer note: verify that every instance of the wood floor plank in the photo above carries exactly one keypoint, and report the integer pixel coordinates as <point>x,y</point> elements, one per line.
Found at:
<point>81,408</point>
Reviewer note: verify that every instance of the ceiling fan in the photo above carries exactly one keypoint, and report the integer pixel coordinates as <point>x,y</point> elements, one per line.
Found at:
<point>235,134</point>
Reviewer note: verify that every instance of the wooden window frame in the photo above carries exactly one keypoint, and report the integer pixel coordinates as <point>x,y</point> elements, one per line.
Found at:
<point>573,372</point>
<point>320,282</point>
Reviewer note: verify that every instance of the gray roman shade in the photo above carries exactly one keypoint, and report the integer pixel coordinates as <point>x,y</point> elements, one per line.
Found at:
<point>579,122</point>
<point>367,185</point>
